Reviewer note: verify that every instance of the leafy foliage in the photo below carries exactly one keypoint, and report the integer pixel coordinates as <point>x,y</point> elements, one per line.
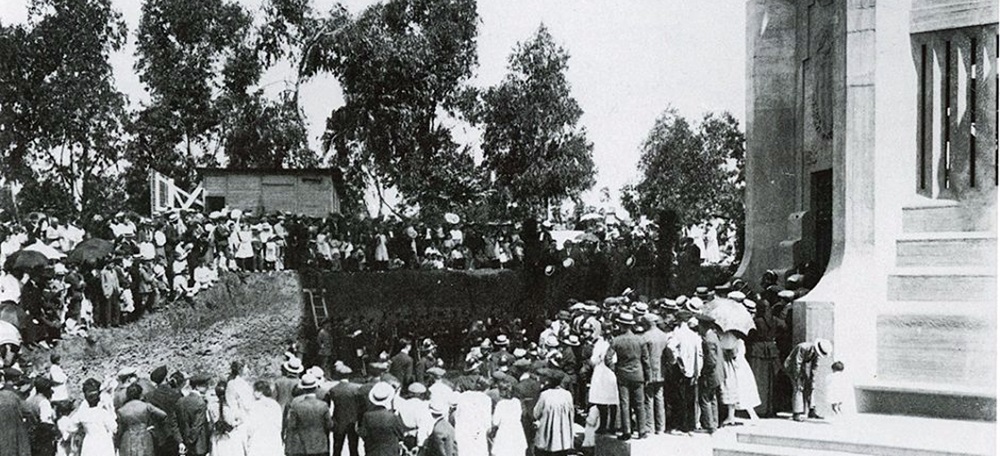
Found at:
<point>62,114</point>
<point>695,171</point>
<point>403,65</point>
<point>531,141</point>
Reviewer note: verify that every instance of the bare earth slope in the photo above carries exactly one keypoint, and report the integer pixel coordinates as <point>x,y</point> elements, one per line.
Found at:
<point>253,318</point>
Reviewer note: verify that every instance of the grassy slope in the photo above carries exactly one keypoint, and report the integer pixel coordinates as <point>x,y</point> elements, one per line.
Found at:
<point>252,318</point>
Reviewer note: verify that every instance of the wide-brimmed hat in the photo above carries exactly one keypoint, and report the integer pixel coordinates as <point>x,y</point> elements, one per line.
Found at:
<point>381,394</point>
<point>568,263</point>
<point>824,347</point>
<point>572,340</point>
<point>520,353</point>
<point>502,340</point>
<point>625,318</point>
<point>549,270</point>
<point>293,366</point>
<point>308,382</point>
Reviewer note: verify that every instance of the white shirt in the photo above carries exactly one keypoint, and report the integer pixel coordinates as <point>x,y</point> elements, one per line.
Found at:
<point>60,391</point>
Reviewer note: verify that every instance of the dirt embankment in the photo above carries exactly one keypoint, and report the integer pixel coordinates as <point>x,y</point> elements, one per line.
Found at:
<point>252,318</point>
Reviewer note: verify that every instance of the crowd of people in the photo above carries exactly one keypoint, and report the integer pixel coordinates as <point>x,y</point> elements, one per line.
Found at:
<point>152,262</point>
<point>627,366</point>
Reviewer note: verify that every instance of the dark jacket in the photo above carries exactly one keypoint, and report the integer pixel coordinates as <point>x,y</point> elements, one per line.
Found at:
<point>382,430</point>
<point>633,358</point>
<point>401,367</point>
<point>13,428</point>
<point>192,424</point>
<point>711,371</point>
<point>307,426</point>
<point>441,442</point>
<point>284,389</point>
<point>656,341</point>
<point>165,398</point>
<point>344,396</point>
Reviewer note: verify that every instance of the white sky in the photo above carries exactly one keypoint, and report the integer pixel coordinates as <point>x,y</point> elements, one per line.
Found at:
<point>628,61</point>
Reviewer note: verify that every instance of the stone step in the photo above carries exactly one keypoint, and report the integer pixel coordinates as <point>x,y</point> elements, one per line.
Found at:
<point>938,347</point>
<point>942,284</point>
<point>745,449</point>
<point>946,401</point>
<point>949,248</point>
<point>872,434</point>
<point>944,215</point>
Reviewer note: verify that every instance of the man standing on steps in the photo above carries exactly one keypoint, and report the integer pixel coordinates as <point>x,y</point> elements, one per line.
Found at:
<point>631,370</point>
<point>710,381</point>
<point>801,368</point>
<point>655,341</point>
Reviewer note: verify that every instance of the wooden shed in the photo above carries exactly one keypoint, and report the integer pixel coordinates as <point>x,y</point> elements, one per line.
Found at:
<point>312,192</point>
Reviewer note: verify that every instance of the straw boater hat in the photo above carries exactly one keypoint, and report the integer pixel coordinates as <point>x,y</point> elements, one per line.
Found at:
<point>750,305</point>
<point>694,304</point>
<point>436,372</point>
<point>702,292</point>
<point>502,340</point>
<point>625,319</point>
<point>737,296</point>
<point>669,305</point>
<point>824,347</point>
<point>381,394</point>
<point>787,295</point>
<point>549,270</point>
<point>293,366</point>
<point>572,340</point>
<point>308,382</point>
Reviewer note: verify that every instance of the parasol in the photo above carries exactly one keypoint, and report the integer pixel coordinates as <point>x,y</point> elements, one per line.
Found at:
<point>91,250</point>
<point>729,315</point>
<point>45,249</point>
<point>27,259</point>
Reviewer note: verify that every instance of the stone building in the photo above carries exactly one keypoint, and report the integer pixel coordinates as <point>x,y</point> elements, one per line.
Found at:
<point>872,156</point>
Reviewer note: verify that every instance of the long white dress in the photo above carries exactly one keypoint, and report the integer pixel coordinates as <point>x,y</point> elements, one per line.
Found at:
<point>99,425</point>
<point>509,439</point>
<point>473,420</point>
<point>740,381</point>
<point>603,383</point>
<point>264,428</point>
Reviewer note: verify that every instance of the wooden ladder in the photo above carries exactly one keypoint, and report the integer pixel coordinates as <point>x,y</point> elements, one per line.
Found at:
<point>317,306</point>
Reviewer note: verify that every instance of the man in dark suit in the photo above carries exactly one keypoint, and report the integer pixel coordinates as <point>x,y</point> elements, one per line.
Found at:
<point>401,365</point>
<point>441,442</point>
<point>307,422</point>
<point>655,342</point>
<point>710,381</point>
<point>380,427</point>
<point>632,370</point>
<point>346,411</point>
<point>165,397</point>
<point>192,420</point>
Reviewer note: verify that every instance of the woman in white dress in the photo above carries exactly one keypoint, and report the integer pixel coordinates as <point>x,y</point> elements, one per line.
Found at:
<point>740,386</point>
<point>473,420</point>
<point>239,399</point>
<point>509,439</point>
<point>225,440</point>
<point>603,387</point>
<point>264,423</point>
<point>96,421</point>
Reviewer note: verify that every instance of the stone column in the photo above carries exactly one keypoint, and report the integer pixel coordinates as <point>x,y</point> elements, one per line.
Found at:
<point>771,171</point>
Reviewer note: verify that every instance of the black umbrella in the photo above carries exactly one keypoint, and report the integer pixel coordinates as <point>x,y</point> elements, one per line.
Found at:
<point>27,259</point>
<point>91,250</point>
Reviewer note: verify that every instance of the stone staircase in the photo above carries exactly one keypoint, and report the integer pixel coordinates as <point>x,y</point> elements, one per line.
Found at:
<point>937,331</point>
<point>863,434</point>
